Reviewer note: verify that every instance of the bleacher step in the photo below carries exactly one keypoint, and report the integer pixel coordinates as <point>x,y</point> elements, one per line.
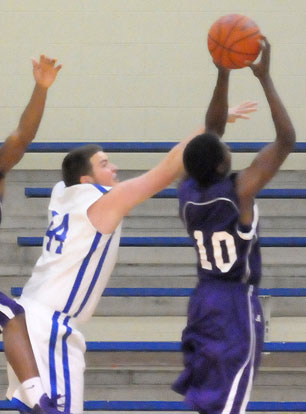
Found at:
<point>169,328</point>
<point>158,255</point>
<point>16,205</point>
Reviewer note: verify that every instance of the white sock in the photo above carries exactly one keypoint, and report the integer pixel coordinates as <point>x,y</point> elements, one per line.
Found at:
<point>31,391</point>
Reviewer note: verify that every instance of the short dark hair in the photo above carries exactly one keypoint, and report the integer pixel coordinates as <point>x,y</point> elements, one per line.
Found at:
<point>201,158</point>
<point>77,163</point>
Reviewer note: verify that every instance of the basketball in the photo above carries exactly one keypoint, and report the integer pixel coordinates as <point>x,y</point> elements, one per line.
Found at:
<point>234,39</point>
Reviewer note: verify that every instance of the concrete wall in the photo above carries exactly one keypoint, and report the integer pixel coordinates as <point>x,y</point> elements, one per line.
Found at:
<point>140,69</point>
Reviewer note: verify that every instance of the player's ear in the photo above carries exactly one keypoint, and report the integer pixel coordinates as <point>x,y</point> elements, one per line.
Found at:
<point>223,167</point>
<point>86,179</point>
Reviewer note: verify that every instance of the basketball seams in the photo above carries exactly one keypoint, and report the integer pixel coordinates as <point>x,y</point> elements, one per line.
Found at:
<point>244,38</point>
<point>232,62</point>
<point>216,44</point>
<point>219,39</point>
<point>237,52</point>
<point>231,58</point>
<point>229,49</point>
<point>239,20</point>
<point>232,29</point>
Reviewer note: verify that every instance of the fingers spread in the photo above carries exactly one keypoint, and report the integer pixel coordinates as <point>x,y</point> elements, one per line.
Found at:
<point>47,61</point>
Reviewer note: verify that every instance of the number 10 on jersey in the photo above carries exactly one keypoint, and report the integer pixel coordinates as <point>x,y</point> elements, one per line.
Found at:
<point>224,250</point>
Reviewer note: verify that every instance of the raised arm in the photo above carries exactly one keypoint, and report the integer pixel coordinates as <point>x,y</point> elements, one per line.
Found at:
<point>271,157</point>
<point>15,145</point>
<point>217,112</point>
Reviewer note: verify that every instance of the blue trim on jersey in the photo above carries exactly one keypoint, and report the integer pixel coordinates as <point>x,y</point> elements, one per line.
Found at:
<point>66,367</point>
<point>100,188</point>
<point>81,272</point>
<point>52,345</point>
<point>95,277</point>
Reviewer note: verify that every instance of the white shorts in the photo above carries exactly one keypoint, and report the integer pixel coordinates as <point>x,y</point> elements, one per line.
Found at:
<point>59,352</point>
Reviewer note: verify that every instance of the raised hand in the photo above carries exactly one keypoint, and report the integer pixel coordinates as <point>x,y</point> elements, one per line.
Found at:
<point>241,111</point>
<point>45,71</point>
<point>261,69</point>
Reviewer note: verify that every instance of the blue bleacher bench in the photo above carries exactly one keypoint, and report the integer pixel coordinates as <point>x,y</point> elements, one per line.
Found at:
<point>283,193</point>
<point>181,292</point>
<point>268,406</point>
<point>144,146</point>
<point>174,346</point>
<point>177,241</point>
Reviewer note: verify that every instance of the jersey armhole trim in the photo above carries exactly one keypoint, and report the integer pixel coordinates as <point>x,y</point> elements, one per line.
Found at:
<point>103,191</point>
<point>249,235</point>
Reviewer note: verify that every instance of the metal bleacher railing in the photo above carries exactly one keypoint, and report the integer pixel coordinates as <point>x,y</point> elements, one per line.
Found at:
<point>267,406</point>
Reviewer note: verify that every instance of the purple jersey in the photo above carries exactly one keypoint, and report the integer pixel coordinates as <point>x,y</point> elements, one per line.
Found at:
<point>226,249</point>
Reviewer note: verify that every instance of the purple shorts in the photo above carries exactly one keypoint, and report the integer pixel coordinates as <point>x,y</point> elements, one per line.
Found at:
<point>8,310</point>
<point>221,346</point>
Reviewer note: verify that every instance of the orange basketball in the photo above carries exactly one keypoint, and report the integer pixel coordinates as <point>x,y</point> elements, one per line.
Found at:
<point>234,39</point>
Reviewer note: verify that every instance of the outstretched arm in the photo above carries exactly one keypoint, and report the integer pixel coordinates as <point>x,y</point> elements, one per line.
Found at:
<point>270,158</point>
<point>106,213</point>
<point>15,145</point>
<point>217,112</point>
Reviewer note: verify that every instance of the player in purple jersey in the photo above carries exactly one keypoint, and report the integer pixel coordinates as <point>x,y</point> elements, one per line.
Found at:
<point>17,345</point>
<point>224,334</point>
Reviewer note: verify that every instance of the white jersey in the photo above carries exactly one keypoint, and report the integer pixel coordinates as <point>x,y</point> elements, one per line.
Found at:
<point>77,260</point>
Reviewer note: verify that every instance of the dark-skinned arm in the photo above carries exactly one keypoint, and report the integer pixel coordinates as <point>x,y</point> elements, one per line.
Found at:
<point>217,113</point>
<point>270,158</point>
<point>13,149</point>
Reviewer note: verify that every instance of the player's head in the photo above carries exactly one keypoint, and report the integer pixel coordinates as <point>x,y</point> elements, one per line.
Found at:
<point>88,164</point>
<point>207,159</point>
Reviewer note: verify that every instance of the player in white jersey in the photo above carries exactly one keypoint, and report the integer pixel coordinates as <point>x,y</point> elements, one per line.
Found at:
<point>79,253</point>
<point>12,321</point>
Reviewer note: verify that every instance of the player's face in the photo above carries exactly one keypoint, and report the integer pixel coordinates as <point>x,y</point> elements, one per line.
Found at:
<point>103,171</point>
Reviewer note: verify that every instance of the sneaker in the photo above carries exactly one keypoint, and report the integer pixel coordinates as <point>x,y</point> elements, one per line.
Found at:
<point>46,406</point>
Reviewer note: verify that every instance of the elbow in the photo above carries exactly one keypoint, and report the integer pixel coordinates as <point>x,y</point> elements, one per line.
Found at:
<point>220,131</point>
<point>216,126</point>
<point>216,130</point>
<point>291,138</point>
<point>22,134</point>
<point>288,139</point>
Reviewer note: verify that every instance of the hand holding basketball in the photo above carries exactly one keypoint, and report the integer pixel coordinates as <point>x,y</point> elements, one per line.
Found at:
<point>233,40</point>
<point>261,69</point>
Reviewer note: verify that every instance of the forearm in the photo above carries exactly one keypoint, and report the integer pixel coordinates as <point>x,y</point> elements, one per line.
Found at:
<point>173,163</point>
<point>217,113</point>
<point>282,122</point>
<point>15,145</point>
<point>31,117</point>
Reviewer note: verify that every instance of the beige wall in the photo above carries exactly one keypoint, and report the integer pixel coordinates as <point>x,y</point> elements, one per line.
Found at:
<point>140,69</point>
